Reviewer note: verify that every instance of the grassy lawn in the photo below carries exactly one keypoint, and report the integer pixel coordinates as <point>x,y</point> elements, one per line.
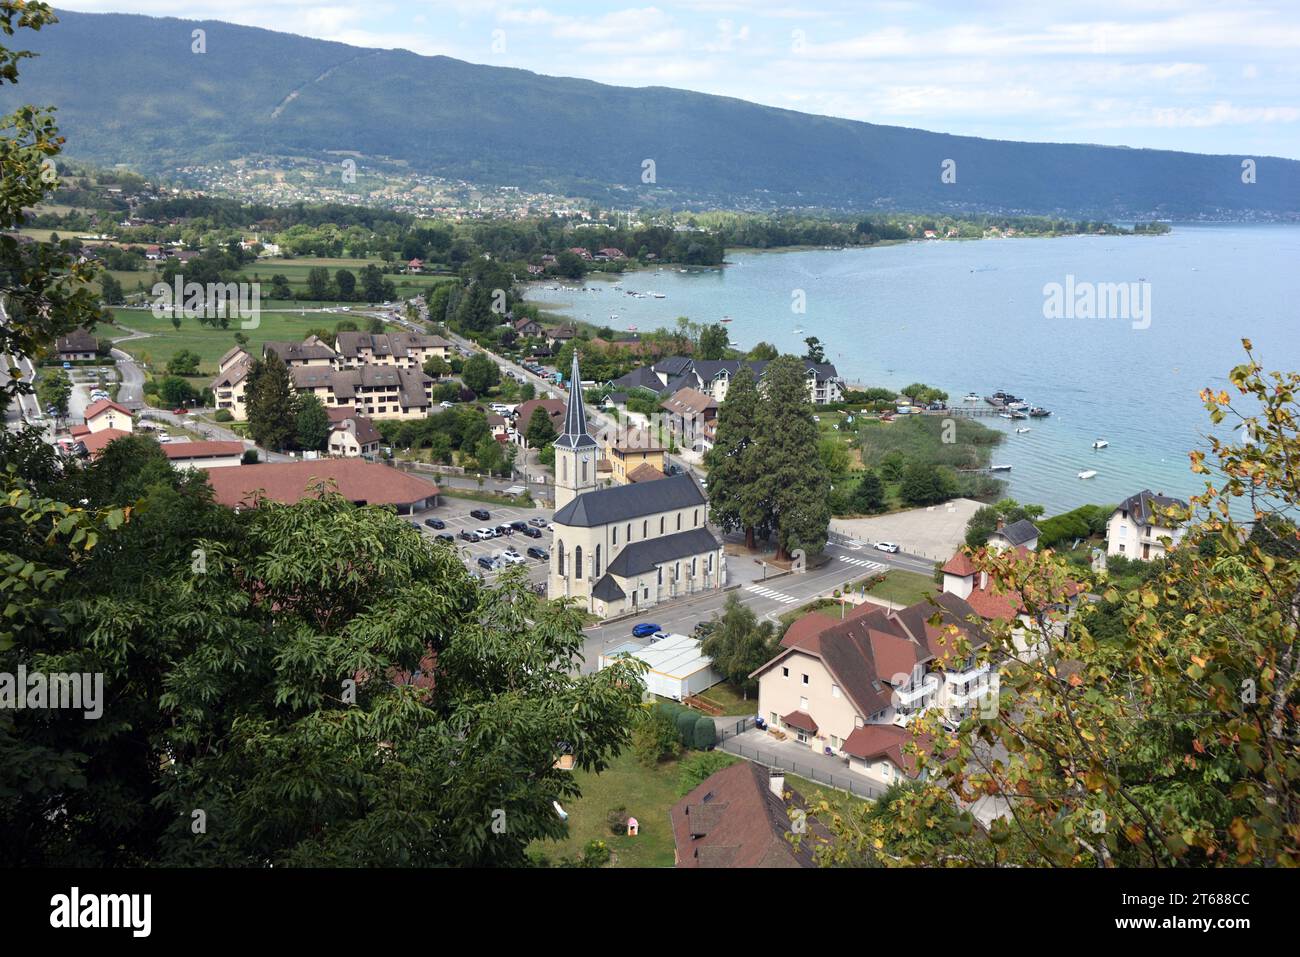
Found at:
<point>489,498</point>
<point>904,588</point>
<point>727,697</point>
<point>647,793</point>
<point>211,342</point>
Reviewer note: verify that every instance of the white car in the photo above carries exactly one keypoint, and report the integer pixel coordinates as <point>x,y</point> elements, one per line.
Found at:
<point>445,404</point>
<point>886,547</point>
<point>485,534</point>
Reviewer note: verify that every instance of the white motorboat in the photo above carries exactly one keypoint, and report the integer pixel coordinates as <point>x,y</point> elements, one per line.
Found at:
<point>971,397</point>
<point>1088,473</point>
<point>1022,431</point>
<point>1100,444</point>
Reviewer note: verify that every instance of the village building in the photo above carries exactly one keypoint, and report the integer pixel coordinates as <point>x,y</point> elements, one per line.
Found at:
<point>629,449</point>
<point>406,349</point>
<point>713,377</point>
<point>77,346</point>
<point>230,387</point>
<point>352,435</point>
<point>625,547</point>
<point>358,481</point>
<point>107,414</point>
<point>1139,524</point>
<point>377,391</point>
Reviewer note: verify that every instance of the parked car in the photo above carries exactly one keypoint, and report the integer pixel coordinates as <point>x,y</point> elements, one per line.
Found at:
<point>541,554</point>
<point>537,522</point>
<point>444,537</point>
<point>644,630</point>
<point>484,534</point>
<point>435,523</point>
<point>886,546</point>
<point>531,532</point>
<point>179,412</point>
<point>512,558</point>
<point>481,514</point>
<point>468,537</point>
<point>504,529</point>
<point>519,526</point>
<point>485,562</point>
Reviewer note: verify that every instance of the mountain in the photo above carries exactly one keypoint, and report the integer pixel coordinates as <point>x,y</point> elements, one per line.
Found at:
<point>129,89</point>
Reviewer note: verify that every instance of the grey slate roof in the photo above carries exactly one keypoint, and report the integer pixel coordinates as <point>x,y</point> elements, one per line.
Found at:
<point>622,502</point>
<point>643,556</point>
<point>574,434</point>
<point>607,589</point>
<point>1017,533</point>
<point>1143,506</point>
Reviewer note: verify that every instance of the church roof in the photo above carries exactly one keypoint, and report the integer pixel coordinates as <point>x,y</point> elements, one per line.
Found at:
<point>622,502</point>
<point>643,556</point>
<point>574,434</point>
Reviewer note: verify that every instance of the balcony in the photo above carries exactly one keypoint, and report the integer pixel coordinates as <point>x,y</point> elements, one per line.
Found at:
<point>977,673</point>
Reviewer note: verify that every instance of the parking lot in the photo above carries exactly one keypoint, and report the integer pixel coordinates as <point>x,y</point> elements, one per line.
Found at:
<point>455,512</point>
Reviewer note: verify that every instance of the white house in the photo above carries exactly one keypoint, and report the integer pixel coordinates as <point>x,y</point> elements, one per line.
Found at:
<point>1140,522</point>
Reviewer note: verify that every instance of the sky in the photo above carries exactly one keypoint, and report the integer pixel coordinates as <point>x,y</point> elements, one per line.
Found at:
<point>1200,75</point>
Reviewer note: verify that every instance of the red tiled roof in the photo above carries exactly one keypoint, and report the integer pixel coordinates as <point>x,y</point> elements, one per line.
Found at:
<point>95,408</point>
<point>645,472</point>
<point>801,720</point>
<point>959,564</point>
<point>96,442</point>
<point>883,741</point>
<point>357,481</point>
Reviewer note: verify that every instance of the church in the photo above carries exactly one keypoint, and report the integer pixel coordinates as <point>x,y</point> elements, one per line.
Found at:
<point>626,547</point>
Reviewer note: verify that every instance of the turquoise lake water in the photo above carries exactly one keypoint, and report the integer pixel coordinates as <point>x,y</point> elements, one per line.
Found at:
<point>969,317</point>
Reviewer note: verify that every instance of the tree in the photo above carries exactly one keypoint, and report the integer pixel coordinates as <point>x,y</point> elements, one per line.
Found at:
<point>1162,735</point>
<point>738,643</point>
<point>734,473</point>
<point>346,281</point>
<point>796,486</point>
<point>713,342</point>
<point>984,522</point>
<point>175,392</point>
<point>705,734</point>
<point>655,738</point>
<point>763,352</point>
<point>53,392</point>
<point>372,283</point>
<point>110,290</point>
<point>318,283</point>
<point>925,484</point>
<point>320,641</point>
<point>815,351</point>
<point>922,394</point>
<point>272,409</point>
<point>312,423</point>
<point>436,367</point>
<point>694,768</point>
<point>184,362</point>
<point>540,432</point>
<point>480,373</point>
<point>869,495</point>
<point>45,289</point>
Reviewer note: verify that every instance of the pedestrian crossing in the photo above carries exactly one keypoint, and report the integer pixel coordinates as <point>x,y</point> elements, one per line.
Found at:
<point>771,593</point>
<point>863,563</point>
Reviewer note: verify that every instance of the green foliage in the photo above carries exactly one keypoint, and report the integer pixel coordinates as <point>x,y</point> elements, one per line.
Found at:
<point>924,484</point>
<point>312,423</point>
<point>540,431</point>
<point>705,735</point>
<point>1086,521</point>
<point>176,392</point>
<point>655,738</point>
<point>184,362</point>
<point>868,495</point>
<point>480,373</point>
<point>53,390</point>
<point>271,403</point>
<point>739,643</point>
<point>714,342</point>
<point>695,767</point>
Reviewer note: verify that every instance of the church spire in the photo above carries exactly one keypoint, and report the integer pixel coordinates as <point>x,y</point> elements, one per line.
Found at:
<point>575,416</point>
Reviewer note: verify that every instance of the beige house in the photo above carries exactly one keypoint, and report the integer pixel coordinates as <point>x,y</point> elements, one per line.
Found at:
<point>311,353</point>
<point>231,384</point>
<point>1139,524</point>
<point>1021,534</point>
<point>625,547</point>
<point>380,392</point>
<point>107,414</point>
<point>629,449</point>
<point>77,345</point>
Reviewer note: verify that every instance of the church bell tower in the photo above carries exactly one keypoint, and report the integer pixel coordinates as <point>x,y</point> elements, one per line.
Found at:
<point>575,451</point>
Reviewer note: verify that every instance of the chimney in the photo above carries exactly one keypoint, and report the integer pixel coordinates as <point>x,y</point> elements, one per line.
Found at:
<point>776,782</point>
<point>984,580</point>
<point>1001,522</point>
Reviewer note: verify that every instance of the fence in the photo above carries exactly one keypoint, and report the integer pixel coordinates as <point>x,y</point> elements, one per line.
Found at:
<point>841,782</point>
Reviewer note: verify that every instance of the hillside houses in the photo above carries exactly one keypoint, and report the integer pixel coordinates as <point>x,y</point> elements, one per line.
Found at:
<point>713,376</point>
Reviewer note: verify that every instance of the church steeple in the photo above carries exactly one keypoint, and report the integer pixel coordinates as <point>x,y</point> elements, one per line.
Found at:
<point>575,451</point>
<point>575,434</point>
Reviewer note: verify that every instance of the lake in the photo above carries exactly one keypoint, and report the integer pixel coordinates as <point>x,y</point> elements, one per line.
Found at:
<point>970,317</point>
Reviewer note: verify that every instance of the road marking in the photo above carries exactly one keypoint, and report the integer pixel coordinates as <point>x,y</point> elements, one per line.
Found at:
<point>771,593</point>
<point>863,563</point>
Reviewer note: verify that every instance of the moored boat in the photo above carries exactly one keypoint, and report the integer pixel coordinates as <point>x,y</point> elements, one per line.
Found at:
<point>1088,473</point>
<point>1100,444</point>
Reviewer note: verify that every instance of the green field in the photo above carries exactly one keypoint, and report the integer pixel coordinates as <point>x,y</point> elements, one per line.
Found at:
<point>296,270</point>
<point>212,342</point>
<point>729,699</point>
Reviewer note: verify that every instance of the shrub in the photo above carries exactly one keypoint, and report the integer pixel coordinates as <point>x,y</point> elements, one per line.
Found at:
<point>223,415</point>
<point>706,735</point>
<point>686,727</point>
<point>595,854</point>
<point>696,767</point>
<point>655,738</point>
<point>249,457</point>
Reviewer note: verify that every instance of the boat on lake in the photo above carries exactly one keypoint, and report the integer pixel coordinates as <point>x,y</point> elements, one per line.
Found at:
<point>1038,412</point>
<point>971,397</point>
<point>1088,473</point>
<point>1100,444</point>
<point>1022,431</point>
<point>999,468</point>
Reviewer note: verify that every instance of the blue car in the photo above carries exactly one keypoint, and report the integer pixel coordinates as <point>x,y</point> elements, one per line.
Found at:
<point>644,630</point>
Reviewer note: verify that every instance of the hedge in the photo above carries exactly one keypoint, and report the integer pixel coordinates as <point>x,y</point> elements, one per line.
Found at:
<point>1082,522</point>
<point>706,735</point>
